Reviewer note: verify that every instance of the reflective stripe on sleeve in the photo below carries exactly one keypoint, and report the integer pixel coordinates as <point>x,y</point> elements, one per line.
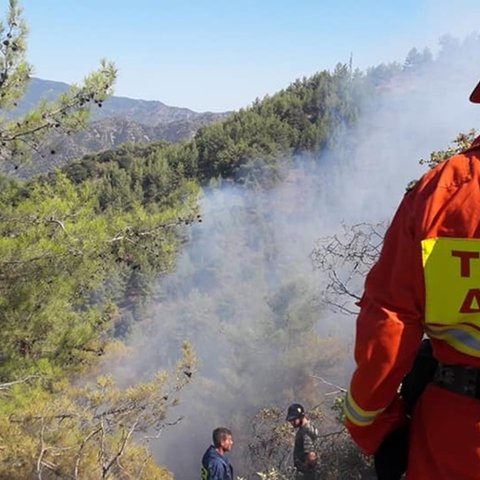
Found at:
<point>357,415</point>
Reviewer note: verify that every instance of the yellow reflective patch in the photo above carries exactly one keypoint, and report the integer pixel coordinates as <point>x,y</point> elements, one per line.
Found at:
<point>452,280</point>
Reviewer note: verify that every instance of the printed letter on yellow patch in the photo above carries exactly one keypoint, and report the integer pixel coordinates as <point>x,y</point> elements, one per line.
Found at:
<point>452,280</point>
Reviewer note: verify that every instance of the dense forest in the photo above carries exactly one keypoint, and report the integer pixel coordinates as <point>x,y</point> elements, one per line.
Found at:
<point>86,252</point>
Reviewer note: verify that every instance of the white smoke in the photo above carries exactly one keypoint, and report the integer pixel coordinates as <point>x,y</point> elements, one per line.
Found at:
<point>252,245</point>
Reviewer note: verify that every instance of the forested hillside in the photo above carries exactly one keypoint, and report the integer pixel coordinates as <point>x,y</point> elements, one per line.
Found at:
<point>80,250</point>
<point>83,249</point>
<point>305,117</point>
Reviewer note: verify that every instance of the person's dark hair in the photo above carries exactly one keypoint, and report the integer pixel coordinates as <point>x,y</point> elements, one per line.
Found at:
<point>219,434</point>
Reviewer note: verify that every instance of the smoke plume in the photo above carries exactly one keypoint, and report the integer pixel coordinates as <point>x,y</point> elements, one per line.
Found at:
<point>244,291</point>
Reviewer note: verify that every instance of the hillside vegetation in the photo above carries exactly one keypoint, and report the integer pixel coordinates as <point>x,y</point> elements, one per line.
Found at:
<point>81,247</point>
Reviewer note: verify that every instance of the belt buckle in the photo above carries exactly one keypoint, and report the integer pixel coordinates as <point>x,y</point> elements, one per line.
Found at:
<point>470,381</point>
<point>445,375</point>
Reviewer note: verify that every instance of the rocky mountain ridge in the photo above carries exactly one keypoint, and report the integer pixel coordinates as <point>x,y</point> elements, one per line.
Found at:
<point>118,121</point>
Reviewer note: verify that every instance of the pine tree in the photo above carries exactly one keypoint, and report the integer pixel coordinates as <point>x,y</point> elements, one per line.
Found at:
<point>65,261</point>
<point>20,137</point>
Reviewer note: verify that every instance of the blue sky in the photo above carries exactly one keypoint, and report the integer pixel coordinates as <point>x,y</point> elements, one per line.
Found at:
<point>221,55</point>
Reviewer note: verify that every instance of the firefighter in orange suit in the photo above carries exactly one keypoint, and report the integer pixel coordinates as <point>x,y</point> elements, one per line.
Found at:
<point>426,282</point>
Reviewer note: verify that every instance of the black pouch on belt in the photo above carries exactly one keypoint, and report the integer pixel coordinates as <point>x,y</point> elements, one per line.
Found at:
<point>392,456</point>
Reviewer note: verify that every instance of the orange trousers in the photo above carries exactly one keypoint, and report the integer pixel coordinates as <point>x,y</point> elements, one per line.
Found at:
<point>445,437</point>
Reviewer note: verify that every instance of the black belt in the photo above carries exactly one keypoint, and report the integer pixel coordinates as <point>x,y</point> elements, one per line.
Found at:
<point>459,379</point>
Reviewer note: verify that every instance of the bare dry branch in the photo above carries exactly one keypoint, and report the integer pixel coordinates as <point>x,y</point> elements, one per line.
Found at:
<point>6,386</point>
<point>345,260</point>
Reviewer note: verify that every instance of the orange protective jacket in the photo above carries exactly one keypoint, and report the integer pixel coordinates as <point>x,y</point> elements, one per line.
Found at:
<point>426,281</point>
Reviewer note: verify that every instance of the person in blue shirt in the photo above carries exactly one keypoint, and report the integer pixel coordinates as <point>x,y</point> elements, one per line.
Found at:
<point>215,465</point>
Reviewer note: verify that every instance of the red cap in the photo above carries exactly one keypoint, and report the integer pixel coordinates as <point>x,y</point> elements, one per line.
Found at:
<point>475,95</point>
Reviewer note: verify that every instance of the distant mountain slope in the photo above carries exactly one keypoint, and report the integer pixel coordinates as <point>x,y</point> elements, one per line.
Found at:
<point>101,135</point>
<point>118,121</point>
<point>148,112</point>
